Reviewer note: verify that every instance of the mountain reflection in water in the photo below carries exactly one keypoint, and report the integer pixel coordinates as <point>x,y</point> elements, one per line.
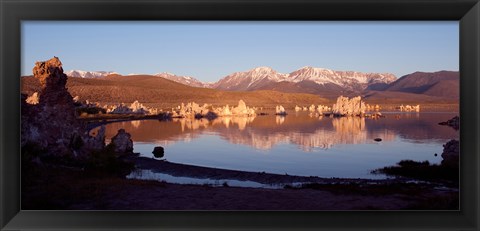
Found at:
<point>297,144</point>
<point>263,132</point>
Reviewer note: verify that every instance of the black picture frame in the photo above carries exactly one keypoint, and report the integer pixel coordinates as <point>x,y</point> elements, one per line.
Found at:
<point>12,12</point>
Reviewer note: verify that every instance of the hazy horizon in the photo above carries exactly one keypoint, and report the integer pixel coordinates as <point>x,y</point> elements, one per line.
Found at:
<point>209,51</point>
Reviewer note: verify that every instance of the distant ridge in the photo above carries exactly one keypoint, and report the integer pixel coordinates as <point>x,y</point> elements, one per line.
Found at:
<point>187,80</point>
<point>441,83</point>
<point>323,82</point>
<point>153,91</point>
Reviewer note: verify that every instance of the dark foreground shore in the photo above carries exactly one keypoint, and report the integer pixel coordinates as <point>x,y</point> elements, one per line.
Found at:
<point>66,188</point>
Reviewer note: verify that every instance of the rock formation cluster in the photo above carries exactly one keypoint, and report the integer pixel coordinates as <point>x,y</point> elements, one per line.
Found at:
<point>193,109</point>
<point>51,123</point>
<point>134,108</point>
<point>409,108</point>
<point>375,107</point>
<point>349,107</point>
<point>319,109</point>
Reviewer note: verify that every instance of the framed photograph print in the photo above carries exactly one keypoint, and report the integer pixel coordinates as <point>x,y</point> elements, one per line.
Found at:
<point>240,115</point>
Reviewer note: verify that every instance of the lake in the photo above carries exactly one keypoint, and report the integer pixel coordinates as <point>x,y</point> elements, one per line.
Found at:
<point>296,144</point>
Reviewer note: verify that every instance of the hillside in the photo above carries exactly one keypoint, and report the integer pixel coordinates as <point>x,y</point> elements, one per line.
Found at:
<point>329,91</point>
<point>441,83</point>
<point>158,92</point>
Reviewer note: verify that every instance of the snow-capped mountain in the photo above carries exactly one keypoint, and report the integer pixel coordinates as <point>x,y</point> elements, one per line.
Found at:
<point>89,74</point>
<point>186,80</point>
<point>266,78</point>
<point>349,80</point>
<point>250,80</point>
<point>305,80</point>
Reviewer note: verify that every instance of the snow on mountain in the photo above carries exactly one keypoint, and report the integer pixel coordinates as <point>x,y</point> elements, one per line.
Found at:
<point>89,74</point>
<point>187,80</point>
<point>266,77</point>
<point>250,80</point>
<point>261,77</point>
<point>350,80</point>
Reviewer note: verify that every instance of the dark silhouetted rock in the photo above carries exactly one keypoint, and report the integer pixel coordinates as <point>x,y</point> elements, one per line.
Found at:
<point>453,122</point>
<point>451,153</point>
<point>378,139</point>
<point>158,152</point>
<point>51,123</point>
<point>122,142</point>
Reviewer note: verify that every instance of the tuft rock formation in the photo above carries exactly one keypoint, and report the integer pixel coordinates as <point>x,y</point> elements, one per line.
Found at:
<point>33,99</point>
<point>322,109</point>
<point>51,124</point>
<point>349,107</point>
<point>409,108</point>
<point>134,108</point>
<point>122,142</point>
<point>193,110</point>
<point>243,110</point>
<point>280,110</point>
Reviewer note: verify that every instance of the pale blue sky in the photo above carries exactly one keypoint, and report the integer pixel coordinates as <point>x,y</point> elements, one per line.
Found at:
<point>209,51</point>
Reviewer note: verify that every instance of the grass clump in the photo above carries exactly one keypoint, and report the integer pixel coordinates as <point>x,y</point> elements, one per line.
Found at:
<point>107,161</point>
<point>422,171</point>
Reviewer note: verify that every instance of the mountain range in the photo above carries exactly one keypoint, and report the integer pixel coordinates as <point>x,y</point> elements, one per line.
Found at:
<point>186,80</point>
<point>320,81</point>
<point>305,77</point>
<point>89,74</point>
<point>266,78</point>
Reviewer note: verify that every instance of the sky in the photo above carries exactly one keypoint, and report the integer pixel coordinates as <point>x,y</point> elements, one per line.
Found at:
<point>209,51</point>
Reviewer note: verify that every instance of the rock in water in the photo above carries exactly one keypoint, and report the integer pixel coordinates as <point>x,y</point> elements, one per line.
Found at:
<point>122,142</point>
<point>280,110</point>
<point>158,152</point>
<point>349,107</point>
<point>453,122</point>
<point>451,153</point>
<point>378,139</point>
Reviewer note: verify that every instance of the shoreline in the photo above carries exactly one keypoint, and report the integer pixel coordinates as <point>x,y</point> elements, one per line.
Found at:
<point>76,189</point>
<point>200,172</point>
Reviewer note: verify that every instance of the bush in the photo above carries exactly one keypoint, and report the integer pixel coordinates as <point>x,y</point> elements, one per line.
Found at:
<point>421,170</point>
<point>107,161</point>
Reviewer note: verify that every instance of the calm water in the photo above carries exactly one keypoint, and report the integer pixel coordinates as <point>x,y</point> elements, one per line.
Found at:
<point>297,144</point>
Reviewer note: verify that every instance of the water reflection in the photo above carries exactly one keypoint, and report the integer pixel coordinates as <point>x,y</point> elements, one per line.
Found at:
<point>297,144</point>
<point>142,174</point>
<point>279,119</point>
<point>305,131</point>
